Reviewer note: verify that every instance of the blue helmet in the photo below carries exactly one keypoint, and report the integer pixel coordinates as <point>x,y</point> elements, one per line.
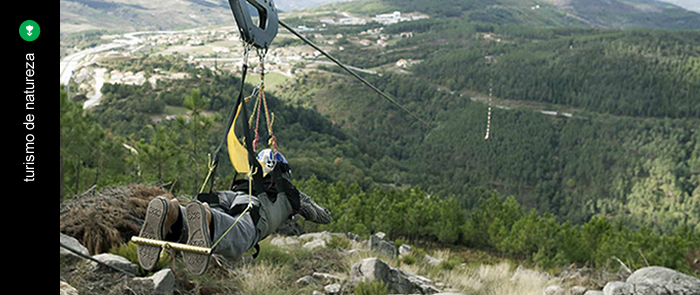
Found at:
<point>269,159</point>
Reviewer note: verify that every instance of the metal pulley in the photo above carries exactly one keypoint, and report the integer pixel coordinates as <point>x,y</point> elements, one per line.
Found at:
<point>261,34</point>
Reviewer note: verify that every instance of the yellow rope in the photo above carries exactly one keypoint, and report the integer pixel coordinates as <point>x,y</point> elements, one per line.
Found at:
<point>211,169</point>
<point>255,108</point>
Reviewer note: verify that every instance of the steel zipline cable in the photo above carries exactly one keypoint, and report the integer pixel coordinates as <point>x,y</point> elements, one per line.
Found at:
<point>81,255</point>
<point>340,64</point>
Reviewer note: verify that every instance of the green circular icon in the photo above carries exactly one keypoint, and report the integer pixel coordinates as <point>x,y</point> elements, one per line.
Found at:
<point>29,30</point>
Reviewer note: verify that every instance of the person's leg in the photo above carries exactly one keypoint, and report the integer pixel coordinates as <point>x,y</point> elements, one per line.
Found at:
<point>163,222</point>
<point>272,215</point>
<point>198,218</point>
<point>244,235</point>
<point>240,238</point>
<point>207,225</point>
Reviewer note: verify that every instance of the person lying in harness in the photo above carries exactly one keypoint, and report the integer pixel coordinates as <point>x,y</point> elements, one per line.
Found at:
<point>205,220</point>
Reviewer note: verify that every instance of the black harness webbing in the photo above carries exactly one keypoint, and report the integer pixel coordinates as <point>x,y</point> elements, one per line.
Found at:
<point>257,176</point>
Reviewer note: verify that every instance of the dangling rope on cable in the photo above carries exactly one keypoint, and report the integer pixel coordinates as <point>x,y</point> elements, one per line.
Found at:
<point>488,119</point>
<point>260,103</point>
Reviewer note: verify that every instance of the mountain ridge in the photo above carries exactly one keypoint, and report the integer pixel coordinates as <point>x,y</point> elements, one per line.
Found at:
<point>138,15</point>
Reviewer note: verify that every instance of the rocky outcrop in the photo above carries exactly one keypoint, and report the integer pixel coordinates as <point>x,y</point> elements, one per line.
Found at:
<point>673,281</point>
<point>405,250</point>
<point>378,244</point>
<point>162,282</point>
<point>326,236</point>
<point>306,280</point>
<point>554,290</point>
<point>332,289</point>
<point>654,280</point>
<point>68,289</point>
<point>315,244</point>
<point>115,261</point>
<point>577,290</point>
<point>326,277</point>
<point>398,281</point>
<point>73,244</point>
<point>285,242</point>
<point>353,237</point>
<point>558,290</point>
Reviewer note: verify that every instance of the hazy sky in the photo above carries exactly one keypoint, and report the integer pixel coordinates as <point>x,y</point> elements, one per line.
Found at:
<point>693,5</point>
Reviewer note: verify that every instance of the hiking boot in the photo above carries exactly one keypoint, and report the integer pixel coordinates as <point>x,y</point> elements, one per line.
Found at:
<point>198,218</point>
<point>161,214</point>
<point>312,211</point>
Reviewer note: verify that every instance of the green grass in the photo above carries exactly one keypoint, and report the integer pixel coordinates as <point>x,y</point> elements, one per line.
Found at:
<point>272,80</point>
<point>129,251</point>
<point>338,243</point>
<point>373,288</point>
<point>174,110</point>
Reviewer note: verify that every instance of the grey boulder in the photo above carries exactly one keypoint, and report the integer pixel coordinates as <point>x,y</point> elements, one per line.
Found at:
<point>162,282</point>
<point>378,244</point>
<point>115,261</point>
<point>332,289</point>
<point>655,280</point>
<point>398,281</point>
<point>73,244</point>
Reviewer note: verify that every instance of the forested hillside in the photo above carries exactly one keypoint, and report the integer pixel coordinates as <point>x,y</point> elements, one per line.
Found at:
<point>633,73</point>
<point>635,14</point>
<point>629,151</point>
<point>643,171</point>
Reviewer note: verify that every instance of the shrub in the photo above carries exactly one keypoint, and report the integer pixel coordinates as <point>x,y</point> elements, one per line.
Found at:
<point>373,288</point>
<point>274,255</point>
<point>408,260</point>
<point>129,251</point>
<point>418,253</point>
<point>398,242</point>
<point>338,243</point>
<point>448,264</point>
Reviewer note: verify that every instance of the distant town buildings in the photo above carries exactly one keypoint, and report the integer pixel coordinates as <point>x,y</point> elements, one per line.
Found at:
<point>128,78</point>
<point>405,63</point>
<point>406,35</point>
<point>396,17</point>
<point>385,19</point>
<point>304,29</point>
<point>343,21</point>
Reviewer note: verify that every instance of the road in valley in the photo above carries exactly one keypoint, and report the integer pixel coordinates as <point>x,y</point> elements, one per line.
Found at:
<point>94,99</point>
<point>71,62</point>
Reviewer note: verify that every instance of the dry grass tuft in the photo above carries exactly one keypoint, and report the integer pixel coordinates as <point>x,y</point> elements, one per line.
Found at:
<point>108,218</point>
<point>497,279</point>
<point>261,277</point>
